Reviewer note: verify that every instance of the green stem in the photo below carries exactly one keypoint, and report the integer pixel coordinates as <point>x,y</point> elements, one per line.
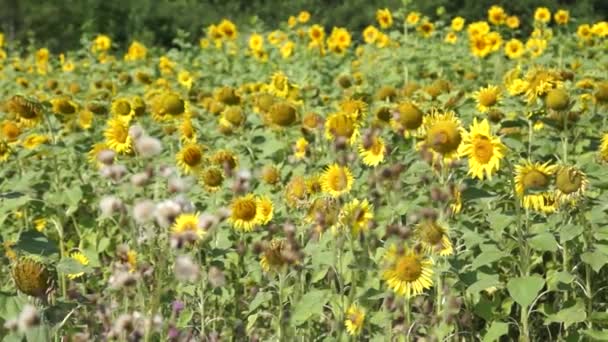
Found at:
<point>280,325</point>
<point>407,312</point>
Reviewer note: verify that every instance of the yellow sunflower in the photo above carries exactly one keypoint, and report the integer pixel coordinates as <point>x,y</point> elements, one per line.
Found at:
<point>434,238</point>
<point>117,136</point>
<point>190,158</point>
<point>355,317</point>
<point>487,98</point>
<point>296,191</point>
<point>356,216</point>
<point>212,178</point>
<point>121,108</point>
<point>342,125</point>
<point>373,153</point>
<point>443,133</point>
<point>187,131</point>
<point>272,257</point>
<point>532,183</point>
<point>336,180</point>
<point>265,209</point>
<point>27,111</point>
<point>80,259</point>
<point>483,150</point>
<point>244,213</point>
<point>406,272</point>
<point>188,224</point>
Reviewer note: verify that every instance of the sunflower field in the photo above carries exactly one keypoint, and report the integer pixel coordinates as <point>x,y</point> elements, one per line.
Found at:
<point>420,180</point>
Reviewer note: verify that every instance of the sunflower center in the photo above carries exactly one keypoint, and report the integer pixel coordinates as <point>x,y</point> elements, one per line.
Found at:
<point>173,104</point>
<point>343,127</point>
<point>535,180</point>
<point>568,181</point>
<point>383,114</point>
<point>212,177</point>
<point>376,148</point>
<point>408,268</point>
<point>483,149</point>
<point>444,137</point>
<point>487,98</point>
<point>245,210</point>
<point>192,156</point>
<point>65,107</point>
<point>431,233</point>
<point>121,134</point>
<point>338,180</point>
<point>123,108</point>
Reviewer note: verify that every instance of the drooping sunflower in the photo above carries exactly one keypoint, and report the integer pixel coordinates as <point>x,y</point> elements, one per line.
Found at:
<point>168,105</point>
<point>483,150</point>
<point>28,112</point>
<point>225,159</point>
<point>212,178</point>
<point>281,114</point>
<point>373,153</point>
<point>117,136</point>
<point>337,180</point>
<point>265,209</point>
<point>342,125</point>
<point>407,117</point>
<point>570,183</point>
<point>487,98</point>
<point>356,216</point>
<point>532,185</point>
<point>406,272</point>
<point>434,238</point>
<point>443,133</point>
<point>80,259</point>
<point>32,277</point>
<point>190,158</point>
<point>355,317</point>
<point>244,213</point>
<point>188,224</point>
<point>272,257</point>
<point>64,105</point>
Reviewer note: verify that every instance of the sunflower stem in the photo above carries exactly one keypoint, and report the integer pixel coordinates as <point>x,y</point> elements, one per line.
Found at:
<point>407,312</point>
<point>281,332</point>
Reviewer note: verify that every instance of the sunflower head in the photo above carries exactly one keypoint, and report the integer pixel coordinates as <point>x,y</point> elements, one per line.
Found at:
<point>295,191</point>
<point>557,99</point>
<point>169,103</point>
<point>344,81</point>
<point>190,157</point>
<point>272,257</point>
<point>341,125</point>
<point>138,105</point>
<point>10,130</point>
<point>228,96</point>
<point>117,136</point>
<point>186,228</point>
<point>407,272</point>
<point>264,101</point>
<point>25,109</point>
<point>244,213</point>
<point>270,174</point>
<point>386,93</point>
<point>337,180</point>
<point>409,115</point>
<point>32,277</point>
<point>212,178</point>
<point>234,115</point>
<point>569,180</point>
<point>601,92</point>
<point>282,114</point>
<point>121,107</point>
<point>355,317</point>
<point>225,159</point>
<point>443,132</point>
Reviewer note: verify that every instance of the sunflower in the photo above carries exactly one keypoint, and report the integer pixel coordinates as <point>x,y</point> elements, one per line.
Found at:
<point>190,158</point>
<point>480,46</point>
<point>5,151</point>
<point>94,152</point>
<point>426,29</point>
<point>244,213</point>
<point>355,317</point>
<point>82,260</point>
<point>121,108</point>
<point>295,191</point>
<point>457,24</point>
<point>539,81</point>
<point>188,224</point>
<point>373,153</point>
<point>342,125</point>
<point>356,216</point>
<point>483,150</point>
<point>228,29</point>
<point>168,105</point>
<point>512,22</point>
<point>270,174</point>
<point>443,133</point>
<point>265,209</point>
<point>434,237</point>
<point>32,277</point>
<point>64,106</point>
<point>337,180</point>
<point>187,131</point>
<point>407,117</point>
<point>212,178</point>
<point>370,35</point>
<point>324,212</point>
<point>10,130</point>
<point>542,14</point>
<point>412,18</point>
<point>384,18</point>
<point>487,98</point>
<point>570,184</point>
<point>532,182</point>
<point>225,159</point>
<point>355,107</point>
<point>117,136</point>
<point>496,15</point>
<point>407,273</point>
<point>27,111</point>
<point>281,114</point>
<point>272,257</point>
<point>451,38</point>
<point>561,17</point>
<point>514,49</point>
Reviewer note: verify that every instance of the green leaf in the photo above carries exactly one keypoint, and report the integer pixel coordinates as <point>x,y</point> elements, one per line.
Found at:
<point>10,305</point>
<point>487,257</point>
<point>597,335</point>
<point>484,283</point>
<point>569,232</point>
<point>34,242</point>
<point>310,304</point>
<point>72,198</point>
<point>525,289</point>
<point>544,242</point>
<point>260,298</point>
<point>71,266</point>
<point>497,329</point>
<point>499,221</point>
<point>595,259</point>
<point>569,316</point>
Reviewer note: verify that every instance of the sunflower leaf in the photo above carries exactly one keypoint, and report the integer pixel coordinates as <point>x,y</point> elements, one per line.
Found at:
<point>525,289</point>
